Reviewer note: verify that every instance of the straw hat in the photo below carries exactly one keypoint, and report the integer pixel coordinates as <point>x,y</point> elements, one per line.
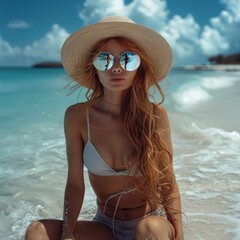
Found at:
<point>78,44</point>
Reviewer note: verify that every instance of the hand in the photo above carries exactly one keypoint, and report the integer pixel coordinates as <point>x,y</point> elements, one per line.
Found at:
<point>68,238</point>
<point>66,235</point>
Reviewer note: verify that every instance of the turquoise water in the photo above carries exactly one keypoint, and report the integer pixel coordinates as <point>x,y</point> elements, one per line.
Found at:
<point>204,113</point>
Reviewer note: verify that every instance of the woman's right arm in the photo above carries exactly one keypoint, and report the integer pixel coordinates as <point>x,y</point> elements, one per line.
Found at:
<point>74,191</point>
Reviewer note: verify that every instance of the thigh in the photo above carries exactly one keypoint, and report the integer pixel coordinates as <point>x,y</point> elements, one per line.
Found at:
<point>154,227</point>
<point>52,230</point>
<point>92,230</point>
<point>44,229</point>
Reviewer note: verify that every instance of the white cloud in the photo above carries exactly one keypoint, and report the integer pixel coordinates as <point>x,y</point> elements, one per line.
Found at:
<point>233,7</point>
<point>222,34</point>
<point>7,50</point>
<point>49,46</point>
<point>9,54</point>
<point>212,42</point>
<point>18,24</point>
<point>94,10</point>
<point>183,35</point>
<point>152,13</point>
<point>222,21</point>
<point>191,43</point>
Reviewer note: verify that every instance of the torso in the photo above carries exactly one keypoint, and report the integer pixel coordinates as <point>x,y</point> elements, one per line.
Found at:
<point>113,144</point>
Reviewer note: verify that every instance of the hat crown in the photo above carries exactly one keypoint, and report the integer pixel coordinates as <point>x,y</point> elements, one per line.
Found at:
<point>117,19</point>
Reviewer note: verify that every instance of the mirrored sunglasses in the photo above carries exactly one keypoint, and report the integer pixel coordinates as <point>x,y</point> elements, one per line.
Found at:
<point>129,61</point>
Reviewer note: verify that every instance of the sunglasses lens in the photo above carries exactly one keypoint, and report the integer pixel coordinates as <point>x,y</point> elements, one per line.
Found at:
<point>129,61</point>
<point>104,61</point>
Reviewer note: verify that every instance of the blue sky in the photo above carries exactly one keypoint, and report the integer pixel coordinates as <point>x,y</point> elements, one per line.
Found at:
<point>34,31</point>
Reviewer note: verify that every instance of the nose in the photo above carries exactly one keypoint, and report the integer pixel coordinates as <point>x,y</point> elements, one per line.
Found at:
<point>116,68</point>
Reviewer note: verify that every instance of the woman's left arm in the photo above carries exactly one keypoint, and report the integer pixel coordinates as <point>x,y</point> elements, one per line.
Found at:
<point>172,200</point>
<point>169,187</point>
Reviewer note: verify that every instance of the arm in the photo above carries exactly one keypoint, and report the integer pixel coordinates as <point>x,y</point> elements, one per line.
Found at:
<point>74,191</point>
<point>169,188</point>
<point>172,202</point>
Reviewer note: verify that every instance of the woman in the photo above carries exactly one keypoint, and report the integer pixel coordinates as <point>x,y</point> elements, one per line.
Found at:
<point>121,137</point>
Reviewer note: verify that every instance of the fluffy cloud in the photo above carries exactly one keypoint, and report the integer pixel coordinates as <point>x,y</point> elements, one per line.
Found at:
<point>222,34</point>
<point>7,50</point>
<point>93,10</point>
<point>233,7</point>
<point>152,13</point>
<point>191,43</point>
<point>212,42</point>
<point>47,48</point>
<point>183,34</point>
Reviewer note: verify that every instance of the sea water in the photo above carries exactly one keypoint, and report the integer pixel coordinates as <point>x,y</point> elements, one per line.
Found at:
<point>203,108</point>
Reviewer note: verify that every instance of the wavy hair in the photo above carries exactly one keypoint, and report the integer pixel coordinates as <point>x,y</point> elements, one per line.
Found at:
<point>139,117</point>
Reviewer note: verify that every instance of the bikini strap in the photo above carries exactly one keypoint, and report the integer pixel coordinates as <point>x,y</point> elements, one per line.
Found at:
<point>119,194</point>
<point>88,125</point>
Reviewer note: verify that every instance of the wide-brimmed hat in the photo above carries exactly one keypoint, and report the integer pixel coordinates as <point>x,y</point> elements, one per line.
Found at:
<point>77,46</point>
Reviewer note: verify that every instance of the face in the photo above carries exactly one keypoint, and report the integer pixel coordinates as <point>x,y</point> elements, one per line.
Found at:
<point>116,78</point>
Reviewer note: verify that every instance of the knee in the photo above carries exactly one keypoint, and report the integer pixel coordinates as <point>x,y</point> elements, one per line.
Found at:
<point>35,231</point>
<point>154,228</point>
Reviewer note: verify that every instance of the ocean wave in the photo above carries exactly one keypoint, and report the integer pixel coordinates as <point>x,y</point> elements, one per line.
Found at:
<point>220,82</point>
<point>208,176</point>
<point>200,89</point>
<point>188,95</point>
<point>17,215</point>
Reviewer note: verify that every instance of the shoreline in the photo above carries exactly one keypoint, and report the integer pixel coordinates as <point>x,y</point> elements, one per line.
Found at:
<point>207,67</point>
<point>211,67</point>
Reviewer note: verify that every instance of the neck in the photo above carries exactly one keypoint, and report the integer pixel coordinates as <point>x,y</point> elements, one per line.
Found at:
<point>115,98</point>
<point>110,103</point>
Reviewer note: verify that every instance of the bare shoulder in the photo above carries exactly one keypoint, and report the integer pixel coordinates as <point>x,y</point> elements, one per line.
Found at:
<point>161,116</point>
<point>75,117</point>
<point>163,126</point>
<point>75,112</point>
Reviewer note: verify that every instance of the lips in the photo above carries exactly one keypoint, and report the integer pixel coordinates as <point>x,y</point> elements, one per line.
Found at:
<point>117,79</point>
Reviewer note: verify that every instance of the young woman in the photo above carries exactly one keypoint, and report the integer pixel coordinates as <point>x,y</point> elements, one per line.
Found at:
<point>121,137</point>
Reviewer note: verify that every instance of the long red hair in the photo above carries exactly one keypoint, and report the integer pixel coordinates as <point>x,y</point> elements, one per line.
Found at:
<point>139,118</point>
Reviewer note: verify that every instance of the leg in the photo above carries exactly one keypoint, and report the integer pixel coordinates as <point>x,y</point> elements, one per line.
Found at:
<point>44,230</point>
<point>154,228</point>
<point>52,230</point>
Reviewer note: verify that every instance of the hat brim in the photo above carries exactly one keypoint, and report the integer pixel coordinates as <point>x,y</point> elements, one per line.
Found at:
<point>76,47</point>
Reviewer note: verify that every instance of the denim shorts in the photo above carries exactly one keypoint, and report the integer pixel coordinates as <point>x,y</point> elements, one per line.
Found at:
<point>123,230</point>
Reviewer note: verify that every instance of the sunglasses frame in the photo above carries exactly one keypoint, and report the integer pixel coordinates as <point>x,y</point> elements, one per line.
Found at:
<point>111,62</point>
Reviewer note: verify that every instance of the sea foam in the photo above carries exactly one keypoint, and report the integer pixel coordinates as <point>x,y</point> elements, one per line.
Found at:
<point>188,95</point>
<point>213,83</point>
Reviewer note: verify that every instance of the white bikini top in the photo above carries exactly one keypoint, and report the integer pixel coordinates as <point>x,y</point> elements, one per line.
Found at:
<point>95,163</point>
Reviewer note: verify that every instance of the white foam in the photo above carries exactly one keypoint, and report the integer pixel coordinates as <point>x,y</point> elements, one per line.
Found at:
<point>209,181</point>
<point>188,95</point>
<point>215,133</point>
<point>213,83</point>
<point>201,88</point>
<point>20,217</point>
